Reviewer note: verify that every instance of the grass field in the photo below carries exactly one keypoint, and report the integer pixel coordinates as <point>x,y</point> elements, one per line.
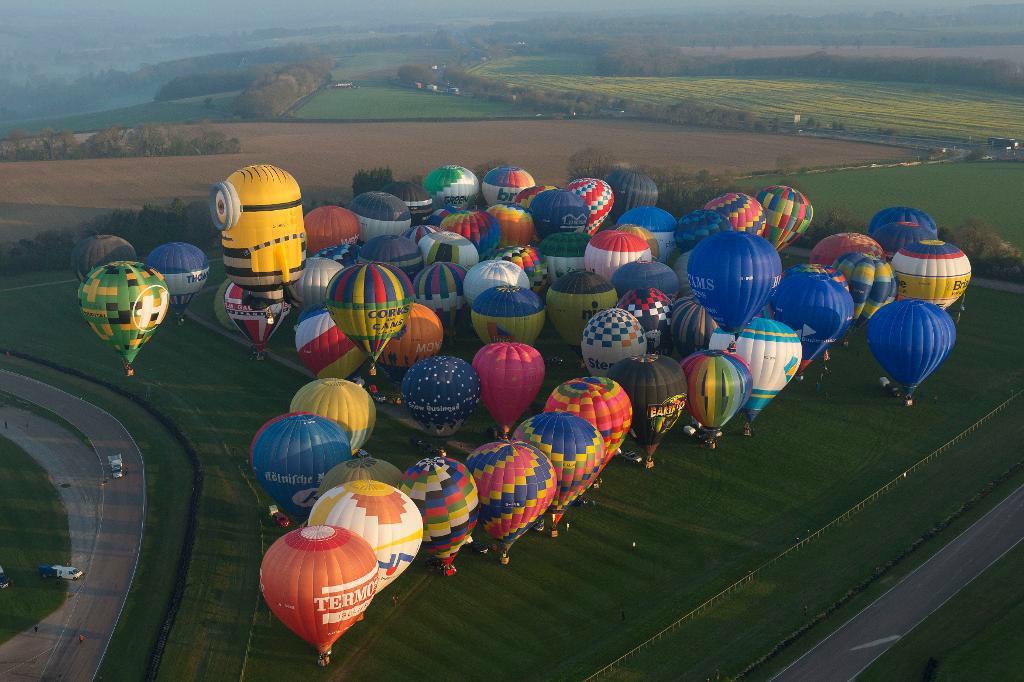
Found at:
<point>33,530</point>
<point>906,107</point>
<point>384,64</point>
<point>975,635</point>
<point>383,100</point>
<point>949,192</point>
<point>700,518</point>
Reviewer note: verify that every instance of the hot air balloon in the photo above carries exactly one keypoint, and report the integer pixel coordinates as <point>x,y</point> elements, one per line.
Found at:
<point>441,392</point>
<point>448,247</point>
<point>290,455</point>
<point>342,254</point>
<point>437,216</point>
<point>329,226</point>
<point>610,336</point>
<point>99,249</point>
<point>184,268</point>
<point>718,384</point>
<point>643,274</point>
<point>574,299</point>
<point>452,186</point>
<point>787,215</point>
<point>597,195</point>
<point>871,282</point>
<point>743,211</point>
<point>370,303</point>
<point>218,307</point>
<point>732,275</point>
<point>817,308</point>
<point>418,232</point>
<point>559,210</point>
<point>515,224</point>
<point>903,214</point>
<point>124,302</point>
<point>479,227</point>
<point>532,263</point>
<point>510,378</point>
<point>910,339</point>
<point>526,196</point>
<point>650,307</point>
<point>360,469</point>
<point>492,273</point>
<point>379,214</point>
<point>345,403</point>
<point>312,287</point>
<point>258,211</point>
<point>415,198</point>
<point>835,274</point>
<point>502,184</point>
<point>445,493</point>
<point>516,484</point>
<point>652,243</point>
<point>772,352</point>
<point>420,338</point>
<point>439,287</point>
<point>382,515</point>
<point>256,324</point>
<point>829,249</point>
<point>564,252</point>
<point>318,580</point>
<point>682,271</point>
<point>696,225</point>
<point>659,222</point>
<point>600,401</point>
<point>631,189</point>
<point>610,250</point>
<point>932,271</point>
<point>657,390</point>
<point>894,236</point>
<point>508,313</point>
<point>393,249</point>
<point>690,326</point>
<point>576,450</point>
<point>323,349</point>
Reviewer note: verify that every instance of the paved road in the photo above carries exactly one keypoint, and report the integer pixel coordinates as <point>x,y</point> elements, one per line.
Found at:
<point>858,642</point>
<point>105,521</point>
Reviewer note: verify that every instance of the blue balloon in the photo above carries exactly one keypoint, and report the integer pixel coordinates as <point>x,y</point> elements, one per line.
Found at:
<point>645,274</point>
<point>815,306</point>
<point>903,214</point>
<point>441,392</point>
<point>291,453</point>
<point>558,210</point>
<point>185,269</point>
<point>732,275</point>
<point>894,236</point>
<point>910,339</point>
<point>696,225</point>
<point>651,218</point>
<point>342,254</point>
<point>397,250</point>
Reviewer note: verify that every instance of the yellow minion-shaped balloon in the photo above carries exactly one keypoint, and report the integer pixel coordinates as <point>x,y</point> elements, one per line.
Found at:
<point>258,210</point>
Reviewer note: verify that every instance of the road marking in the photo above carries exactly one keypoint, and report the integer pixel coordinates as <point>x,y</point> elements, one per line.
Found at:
<point>876,642</point>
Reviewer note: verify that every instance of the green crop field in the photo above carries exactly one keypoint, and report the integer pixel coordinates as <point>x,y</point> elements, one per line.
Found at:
<point>700,519</point>
<point>33,530</point>
<point>381,100</point>
<point>975,635</point>
<point>950,192</point>
<point>905,107</point>
<point>368,64</point>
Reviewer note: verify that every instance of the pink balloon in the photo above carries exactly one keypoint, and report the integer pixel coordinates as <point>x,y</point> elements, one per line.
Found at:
<point>510,377</point>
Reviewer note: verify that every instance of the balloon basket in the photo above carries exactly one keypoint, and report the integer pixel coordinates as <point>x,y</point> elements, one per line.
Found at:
<point>323,660</point>
<point>447,570</point>
<point>181,320</point>
<point>649,463</point>
<point>373,370</point>
<point>748,430</point>
<point>129,371</point>
<point>908,402</point>
<point>504,559</point>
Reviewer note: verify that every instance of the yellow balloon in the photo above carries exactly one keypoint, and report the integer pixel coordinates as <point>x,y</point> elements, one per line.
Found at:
<point>343,402</point>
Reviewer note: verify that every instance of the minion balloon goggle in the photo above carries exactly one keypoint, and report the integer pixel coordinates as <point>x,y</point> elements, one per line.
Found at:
<point>226,208</point>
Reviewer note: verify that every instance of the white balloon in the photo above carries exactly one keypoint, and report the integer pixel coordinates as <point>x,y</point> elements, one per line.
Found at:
<point>492,273</point>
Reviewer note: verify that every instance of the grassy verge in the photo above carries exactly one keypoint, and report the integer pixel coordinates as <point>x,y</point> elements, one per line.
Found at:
<point>33,531</point>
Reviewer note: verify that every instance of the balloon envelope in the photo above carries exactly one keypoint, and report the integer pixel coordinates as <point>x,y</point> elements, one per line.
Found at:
<point>345,403</point>
<point>184,268</point>
<point>910,339</point>
<point>515,224</point>
<point>564,252</point>
<point>510,378</point>
<point>903,214</point>
<point>256,324</point>
<point>441,392</point>
<point>871,282</point>
<point>696,225</point>
<point>452,186</point>
<point>501,185</point>
<point>312,287</point>
<point>787,213</point>
<point>415,198</point>
<point>718,385</point>
<point>691,326</point>
<point>657,390</point>
<point>932,271</point>
<point>559,210</point>
<point>600,401</point>
<point>743,211</point>
<point>440,287</point>
<point>659,222</point>
<point>360,469</point>
<point>508,313</point>
<point>829,249</point>
<point>644,274</point>
<point>610,250</point>
<point>370,303</point>
<point>528,258</point>
<point>479,227</point>
<point>323,348</point>
<point>817,308</point>
<point>651,309</point>
<point>631,189</point>
<point>894,236</point>
<point>393,249</point>
<point>574,299</point>
<point>90,252</point>
<point>492,273</point>
<point>599,198</point>
<point>329,226</point>
<point>448,247</point>
<point>380,213</point>
<point>610,336</point>
<point>420,338</point>
<point>444,491</point>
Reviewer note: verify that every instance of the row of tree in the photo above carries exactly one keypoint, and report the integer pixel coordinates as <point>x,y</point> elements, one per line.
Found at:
<point>276,92</point>
<point>116,142</point>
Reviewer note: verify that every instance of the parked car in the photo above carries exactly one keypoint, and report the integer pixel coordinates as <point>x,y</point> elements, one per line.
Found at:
<point>279,517</point>
<point>4,580</point>
<point>57,571</point>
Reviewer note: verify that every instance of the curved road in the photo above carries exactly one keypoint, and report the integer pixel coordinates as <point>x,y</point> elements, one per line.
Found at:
<point>857,643</point>
<point>105,519</point>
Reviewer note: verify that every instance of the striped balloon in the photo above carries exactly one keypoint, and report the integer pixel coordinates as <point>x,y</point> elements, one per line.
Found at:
<point>871,282</point>
<point>508,313</point>
<point>445,493</point>
<point>529,259</point>
<point>257,324</point>
<point>576,450</point>
<point>393,249</point>
<point>743,211</point>
<point>691,326</point>
<point>312,286</point>
<point>344,402</point>
<point>600,401</point>
<point>787,212</point>
<point>652,242</point>
<point>380,213</point>
<point>516,485</point>
<point>814,269</point>
<point>525,197</point>
<point>574,299</point>
<point>610,250</point>
<point>501,185</point>
<point>829,249</point>
<point>515,224</point>
<point>448,247</point>
<point>323,348</point>
<point>370,303</point>
<point>479,227</point>
<point>439,287</point>
<point>933,271</point>
<point>718,385</point>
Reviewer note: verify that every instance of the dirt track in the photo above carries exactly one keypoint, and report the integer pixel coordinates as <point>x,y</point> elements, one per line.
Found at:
<point>105,520</point>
